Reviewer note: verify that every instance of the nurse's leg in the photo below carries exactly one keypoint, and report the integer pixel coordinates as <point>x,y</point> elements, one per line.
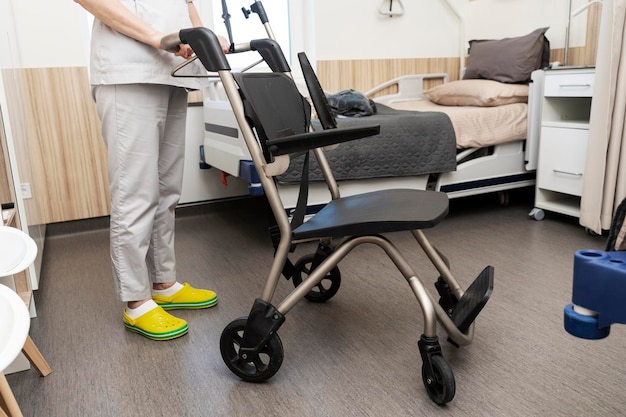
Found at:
<point>161,256</point>
<point>132,119</point>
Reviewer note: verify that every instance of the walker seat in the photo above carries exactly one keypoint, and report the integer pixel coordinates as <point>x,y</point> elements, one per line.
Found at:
<point>275,120</point>
<point>599,291</point>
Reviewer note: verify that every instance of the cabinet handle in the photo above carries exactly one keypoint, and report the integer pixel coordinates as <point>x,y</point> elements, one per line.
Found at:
<point>575,174</point>
<point>574,85</point>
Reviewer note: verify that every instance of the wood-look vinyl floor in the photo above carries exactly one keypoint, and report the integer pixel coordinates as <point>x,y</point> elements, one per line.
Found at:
<point>355,355</point>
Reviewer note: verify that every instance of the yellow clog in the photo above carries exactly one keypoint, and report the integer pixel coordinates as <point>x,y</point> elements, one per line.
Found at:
<point>156,324</point>
<point>187,298</point>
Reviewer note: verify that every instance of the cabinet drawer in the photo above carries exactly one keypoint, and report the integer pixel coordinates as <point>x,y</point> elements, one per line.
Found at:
<point>562,154</point>
<point>568,85</point>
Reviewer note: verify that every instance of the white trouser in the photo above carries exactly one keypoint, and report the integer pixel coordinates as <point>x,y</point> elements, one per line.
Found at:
<point>143,126</point>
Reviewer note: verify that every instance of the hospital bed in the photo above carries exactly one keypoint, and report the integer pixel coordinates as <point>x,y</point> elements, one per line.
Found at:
<point>496,147</point>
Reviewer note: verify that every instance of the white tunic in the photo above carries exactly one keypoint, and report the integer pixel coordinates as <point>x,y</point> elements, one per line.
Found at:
<point>119,59</point>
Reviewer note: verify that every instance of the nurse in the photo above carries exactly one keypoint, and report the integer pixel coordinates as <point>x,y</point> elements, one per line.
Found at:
<point>143,111</point>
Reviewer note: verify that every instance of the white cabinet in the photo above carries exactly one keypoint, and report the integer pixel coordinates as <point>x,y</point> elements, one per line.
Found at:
<point>563,140</point>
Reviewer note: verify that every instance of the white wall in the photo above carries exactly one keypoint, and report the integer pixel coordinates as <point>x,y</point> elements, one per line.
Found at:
<point>48,33</point>
<point>353,29</point>
<point>8,50</point>
<point>488,19</point>
<point>54,32</point>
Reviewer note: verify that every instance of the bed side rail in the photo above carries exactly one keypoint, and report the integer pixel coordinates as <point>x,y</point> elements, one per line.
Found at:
<point>408,87</point>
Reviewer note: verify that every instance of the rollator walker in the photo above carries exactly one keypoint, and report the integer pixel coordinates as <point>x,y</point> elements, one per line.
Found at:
<point>275,121</point>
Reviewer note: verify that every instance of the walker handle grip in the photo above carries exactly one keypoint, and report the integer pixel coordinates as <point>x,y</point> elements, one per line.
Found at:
<point>170,42</point>
<point>204,43</point>
<point>207,47</point>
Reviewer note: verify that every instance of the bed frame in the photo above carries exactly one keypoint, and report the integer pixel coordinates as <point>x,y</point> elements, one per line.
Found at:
<point>497,168</point>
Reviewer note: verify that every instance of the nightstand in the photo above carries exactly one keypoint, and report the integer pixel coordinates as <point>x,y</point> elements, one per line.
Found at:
<point>566,106</point>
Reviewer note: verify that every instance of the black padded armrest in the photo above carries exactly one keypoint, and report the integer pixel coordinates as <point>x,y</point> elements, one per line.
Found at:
<point>311,140</point>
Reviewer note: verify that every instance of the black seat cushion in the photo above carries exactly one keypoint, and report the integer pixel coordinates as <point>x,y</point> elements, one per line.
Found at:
<point>376,212</point>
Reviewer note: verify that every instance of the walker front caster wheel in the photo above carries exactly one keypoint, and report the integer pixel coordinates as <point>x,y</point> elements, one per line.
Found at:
<point>440,386</point>
<point>251,367</point>
<point>325,289</point>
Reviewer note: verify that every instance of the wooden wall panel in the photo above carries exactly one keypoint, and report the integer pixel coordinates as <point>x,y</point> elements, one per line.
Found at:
<point>364,74</point>
<point>58,143</point>
<point>594,14</point>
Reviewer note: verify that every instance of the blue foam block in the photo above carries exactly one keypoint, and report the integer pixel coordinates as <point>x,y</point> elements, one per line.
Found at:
<point>600,285</point>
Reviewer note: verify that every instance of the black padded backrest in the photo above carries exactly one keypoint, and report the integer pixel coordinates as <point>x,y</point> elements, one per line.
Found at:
<point>317,93</point>
<point>278,108</point>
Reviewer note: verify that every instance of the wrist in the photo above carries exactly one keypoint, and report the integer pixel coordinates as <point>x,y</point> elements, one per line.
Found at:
<point>154,39</point>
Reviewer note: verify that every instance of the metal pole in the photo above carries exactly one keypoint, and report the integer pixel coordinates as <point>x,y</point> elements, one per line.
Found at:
<point>567,30</point>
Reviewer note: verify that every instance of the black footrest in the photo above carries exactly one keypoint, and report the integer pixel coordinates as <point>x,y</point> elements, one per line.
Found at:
<point>473,300</point>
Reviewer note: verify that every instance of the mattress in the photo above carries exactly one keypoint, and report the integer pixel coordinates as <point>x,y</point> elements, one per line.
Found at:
<point>417,137</point>
<point>409,144</point>
<point>478,127</point>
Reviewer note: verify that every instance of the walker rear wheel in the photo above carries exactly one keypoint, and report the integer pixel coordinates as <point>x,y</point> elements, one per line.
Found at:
<point>440,386</point>
<point>252,367</point>
<point>325,289</point>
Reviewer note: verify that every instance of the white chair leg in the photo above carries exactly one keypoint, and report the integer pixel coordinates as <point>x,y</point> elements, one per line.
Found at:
<point>8,398</point>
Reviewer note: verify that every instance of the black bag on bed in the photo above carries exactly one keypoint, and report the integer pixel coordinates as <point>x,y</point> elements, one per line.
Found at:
<point>350,103</point>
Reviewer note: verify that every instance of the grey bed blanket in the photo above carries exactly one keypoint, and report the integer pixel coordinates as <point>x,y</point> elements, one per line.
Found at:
<point>410,143</point>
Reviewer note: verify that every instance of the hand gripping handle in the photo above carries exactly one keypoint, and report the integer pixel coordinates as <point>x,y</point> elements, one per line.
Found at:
<point>204,43</point>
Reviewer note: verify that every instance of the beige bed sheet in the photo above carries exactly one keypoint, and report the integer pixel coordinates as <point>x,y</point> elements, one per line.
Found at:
<point>478,127</point>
